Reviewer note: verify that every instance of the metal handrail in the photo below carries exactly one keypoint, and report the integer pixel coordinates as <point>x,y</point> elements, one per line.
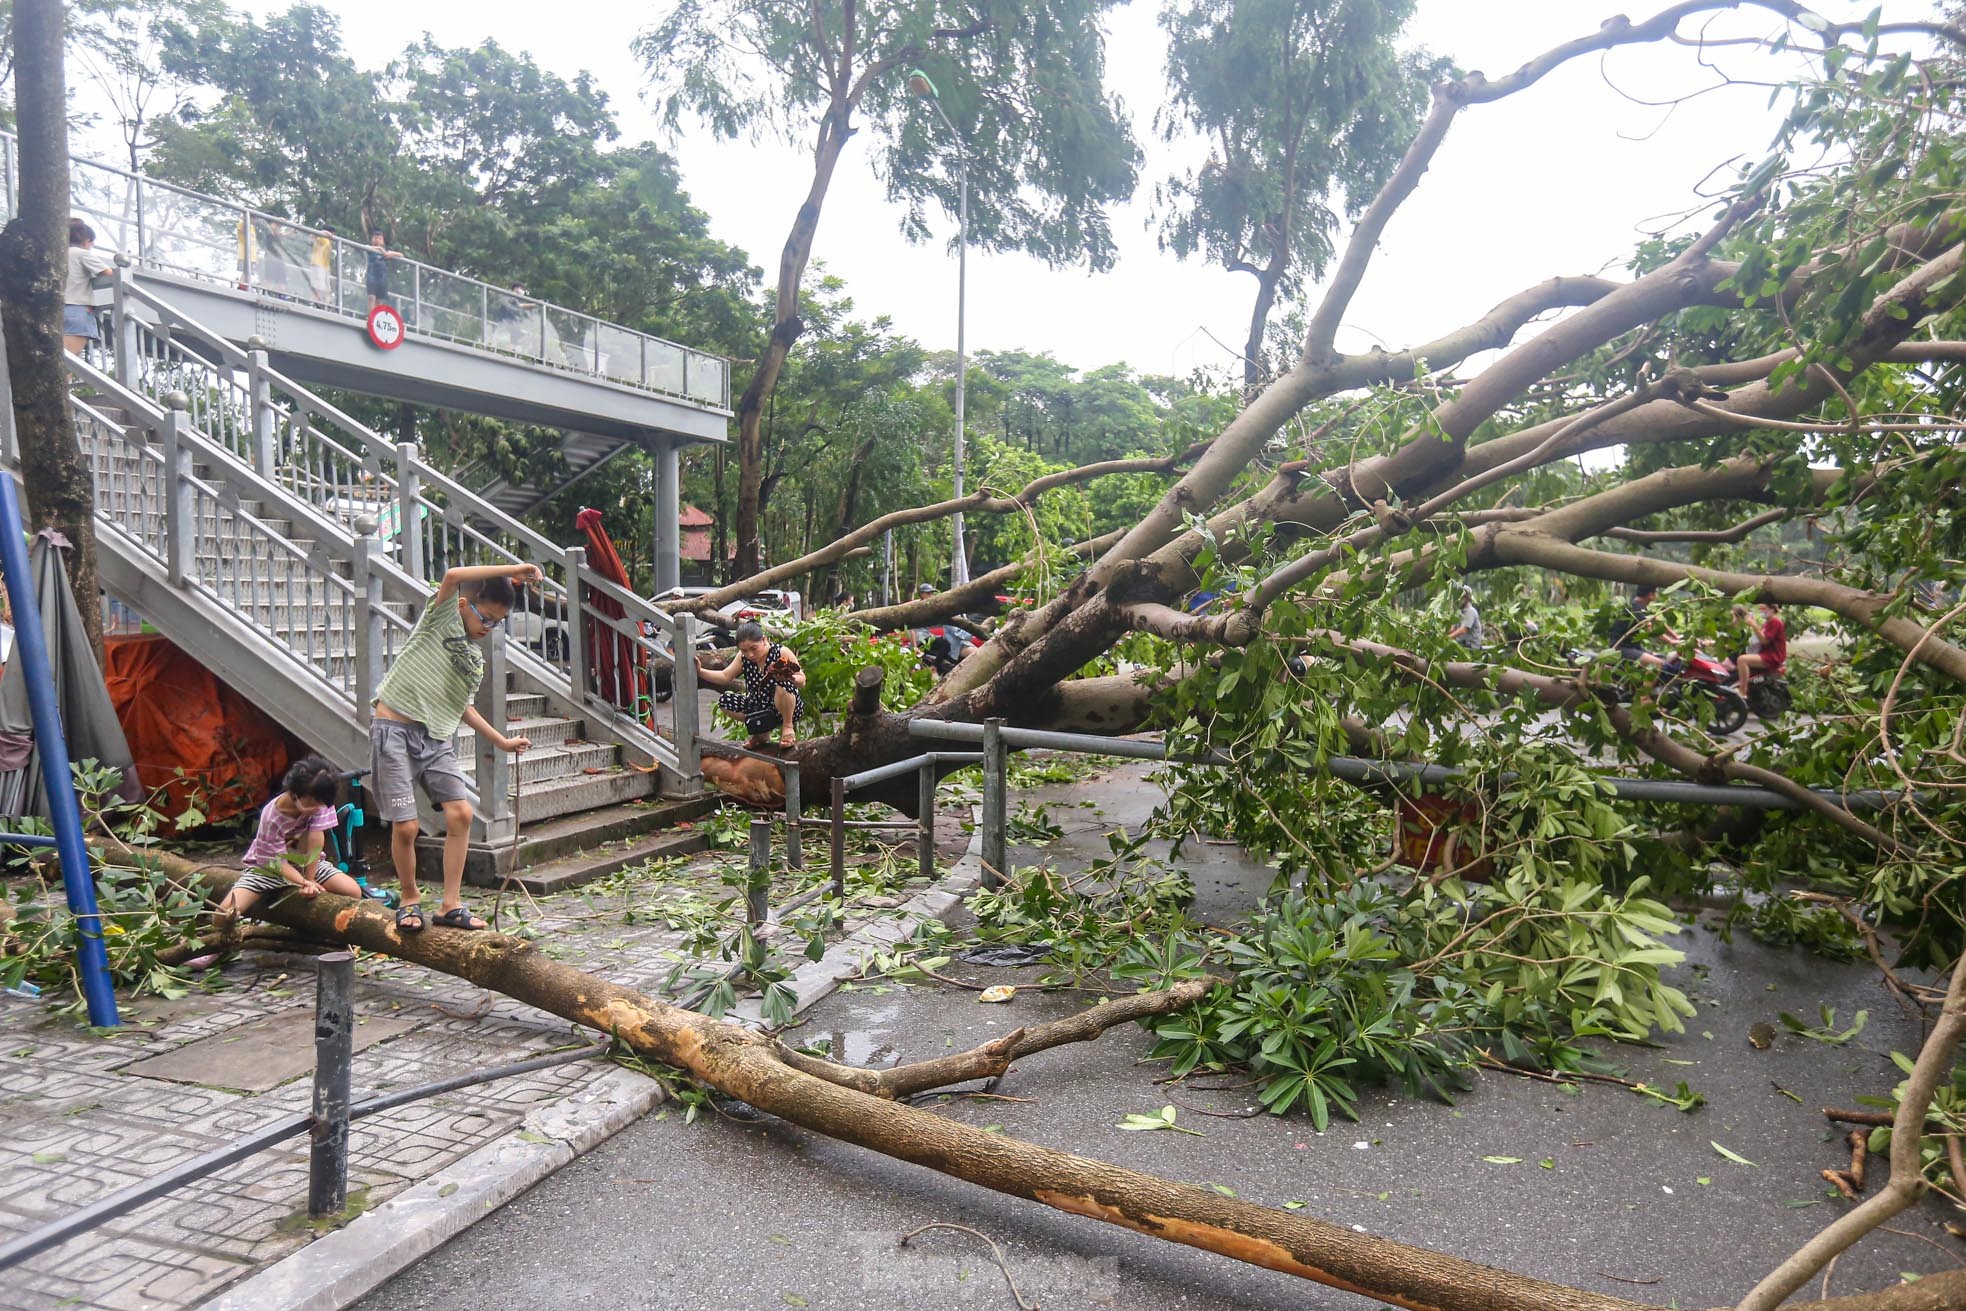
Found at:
<point>337,545</point>
<point>241,262</point>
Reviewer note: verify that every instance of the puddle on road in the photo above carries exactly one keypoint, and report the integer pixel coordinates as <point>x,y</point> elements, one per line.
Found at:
<point>865,1042</point>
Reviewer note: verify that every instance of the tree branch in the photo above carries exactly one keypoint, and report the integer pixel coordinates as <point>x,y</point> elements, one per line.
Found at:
<point>1740,530</point>
<point>980,501</point>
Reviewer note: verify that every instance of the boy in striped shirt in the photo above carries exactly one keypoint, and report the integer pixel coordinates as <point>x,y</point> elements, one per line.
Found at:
<point>426,694</point>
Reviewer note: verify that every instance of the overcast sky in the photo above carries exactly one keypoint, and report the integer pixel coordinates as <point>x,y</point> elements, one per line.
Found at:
<point>1565,178</point>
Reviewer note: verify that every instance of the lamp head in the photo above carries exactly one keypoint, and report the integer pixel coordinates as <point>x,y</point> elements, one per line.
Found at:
<point>919,84</point>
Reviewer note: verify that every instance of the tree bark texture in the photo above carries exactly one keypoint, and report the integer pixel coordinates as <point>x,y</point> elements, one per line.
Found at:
<point>33,263</point>
<point>745,1065</point>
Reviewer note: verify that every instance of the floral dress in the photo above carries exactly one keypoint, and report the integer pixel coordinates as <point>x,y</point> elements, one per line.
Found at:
<point>759,690</point>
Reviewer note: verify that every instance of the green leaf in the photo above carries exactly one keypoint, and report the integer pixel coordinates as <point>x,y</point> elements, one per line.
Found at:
<point>1503,1160</point>
<point>1735,1157</point>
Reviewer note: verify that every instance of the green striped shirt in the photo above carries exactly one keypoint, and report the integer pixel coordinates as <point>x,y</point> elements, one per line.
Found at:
<point>436,673</point>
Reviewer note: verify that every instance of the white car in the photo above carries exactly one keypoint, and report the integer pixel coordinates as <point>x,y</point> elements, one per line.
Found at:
<point>770,607</point>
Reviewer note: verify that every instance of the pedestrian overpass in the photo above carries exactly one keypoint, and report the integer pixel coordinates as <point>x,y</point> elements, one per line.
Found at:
<point>301,295</point>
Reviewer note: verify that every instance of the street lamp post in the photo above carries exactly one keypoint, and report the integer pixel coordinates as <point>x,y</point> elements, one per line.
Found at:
<point>919,84</point>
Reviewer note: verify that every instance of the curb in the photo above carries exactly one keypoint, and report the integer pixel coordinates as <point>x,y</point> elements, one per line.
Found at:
<point>343,1266</point>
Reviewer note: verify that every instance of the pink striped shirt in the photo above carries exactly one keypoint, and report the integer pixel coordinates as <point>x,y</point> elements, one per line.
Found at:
<point>278,832</point>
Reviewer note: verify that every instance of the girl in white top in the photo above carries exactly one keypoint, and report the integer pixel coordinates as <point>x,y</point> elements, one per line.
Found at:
<point>78,311</point>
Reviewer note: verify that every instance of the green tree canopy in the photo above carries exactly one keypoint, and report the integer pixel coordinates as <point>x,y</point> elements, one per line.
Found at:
<point>1305,106</point>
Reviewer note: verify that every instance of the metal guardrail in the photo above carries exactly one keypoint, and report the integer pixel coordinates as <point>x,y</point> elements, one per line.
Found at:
<point>1358,770</point>
<point>175,231</point>
<point>326,1124</point>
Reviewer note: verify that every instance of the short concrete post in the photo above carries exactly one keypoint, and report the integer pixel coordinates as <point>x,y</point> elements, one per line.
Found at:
<point>994,761</point>
<point>334,1056</point>
<point>794,842</point>
<point>494,767</point>
<point>757,887</point>
<point>689,753</point>
<point>576,623</point>
<point>266,420</point>
<point>123,327</point>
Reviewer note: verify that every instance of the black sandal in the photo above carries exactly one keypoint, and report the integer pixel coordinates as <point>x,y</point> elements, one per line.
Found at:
<point>460,917</point>
<point>404,914</point>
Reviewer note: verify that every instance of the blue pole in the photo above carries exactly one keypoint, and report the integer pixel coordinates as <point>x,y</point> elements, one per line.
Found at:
<point>52,745</point>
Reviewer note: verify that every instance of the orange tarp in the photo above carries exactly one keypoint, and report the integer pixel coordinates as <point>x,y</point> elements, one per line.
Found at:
<point>195,740</point>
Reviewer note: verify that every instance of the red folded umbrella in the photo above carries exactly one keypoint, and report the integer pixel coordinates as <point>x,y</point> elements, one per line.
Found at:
<point>619,665</point>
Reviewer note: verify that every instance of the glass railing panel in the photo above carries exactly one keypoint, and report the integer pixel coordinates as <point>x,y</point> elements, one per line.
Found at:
<point>108,201</point>
<point>665,366</point>
<point>194,237</point>
<point>450,306</point>
<point>707,375</point>
<point>515,325</point>
<point>283,261</point>
<point>569,340</point>
<point>620,352</point>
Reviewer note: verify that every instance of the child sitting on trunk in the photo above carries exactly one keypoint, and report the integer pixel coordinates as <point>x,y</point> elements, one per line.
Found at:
<point>285,855</point>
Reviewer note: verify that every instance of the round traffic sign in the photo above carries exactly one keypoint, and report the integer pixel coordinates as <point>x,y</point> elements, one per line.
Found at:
<point>385,327</point>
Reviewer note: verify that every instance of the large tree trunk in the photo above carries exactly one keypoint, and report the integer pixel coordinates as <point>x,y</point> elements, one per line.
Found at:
<point>834,129</point>
<point>33,263</point>
<point>829,1100</point>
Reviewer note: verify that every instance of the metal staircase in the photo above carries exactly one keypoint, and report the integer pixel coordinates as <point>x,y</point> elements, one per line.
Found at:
<point>288,547</point>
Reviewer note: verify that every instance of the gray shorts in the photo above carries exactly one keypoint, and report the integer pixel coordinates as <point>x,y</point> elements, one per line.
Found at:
<point>401,756</point>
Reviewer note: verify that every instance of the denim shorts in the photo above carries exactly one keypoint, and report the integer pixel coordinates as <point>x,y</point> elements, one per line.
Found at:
<point>80,321</point>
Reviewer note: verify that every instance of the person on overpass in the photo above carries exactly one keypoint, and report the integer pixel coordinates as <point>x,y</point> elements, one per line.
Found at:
<point>378,272</point>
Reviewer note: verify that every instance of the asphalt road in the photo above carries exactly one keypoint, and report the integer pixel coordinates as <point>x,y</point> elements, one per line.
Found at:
<point>1634,1199</point>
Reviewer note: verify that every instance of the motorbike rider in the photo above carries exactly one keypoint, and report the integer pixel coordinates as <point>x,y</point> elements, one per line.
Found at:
<point>1468,632</point>
<point>1634,623</point>
<point>1773,652</point>
<point>941,645</point>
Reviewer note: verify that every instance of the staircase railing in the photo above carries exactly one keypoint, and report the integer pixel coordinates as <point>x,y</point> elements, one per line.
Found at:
<point>330,627</point>
<point>278,433</point>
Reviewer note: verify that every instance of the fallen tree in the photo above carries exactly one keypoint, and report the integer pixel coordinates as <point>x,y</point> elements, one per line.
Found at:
<point>1771,400</point>
<point>859,1107</point>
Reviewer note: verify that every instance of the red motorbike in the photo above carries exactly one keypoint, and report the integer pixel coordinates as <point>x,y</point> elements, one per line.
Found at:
<point>1702,686</point>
